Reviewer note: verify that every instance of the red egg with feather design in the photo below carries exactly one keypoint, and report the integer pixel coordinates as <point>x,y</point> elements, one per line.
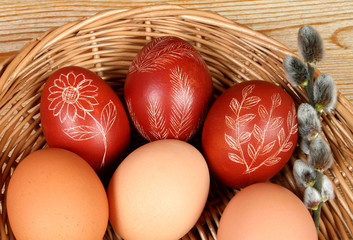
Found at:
<point>168,89</point>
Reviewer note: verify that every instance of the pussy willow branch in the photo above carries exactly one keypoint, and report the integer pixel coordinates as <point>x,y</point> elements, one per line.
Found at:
<point>317,212</point>
<point>310,86</point>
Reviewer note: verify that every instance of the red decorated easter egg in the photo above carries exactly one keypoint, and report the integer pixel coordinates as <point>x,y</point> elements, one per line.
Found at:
<point>168,89</point>
<point>80,112</point>
<point>249,133</point>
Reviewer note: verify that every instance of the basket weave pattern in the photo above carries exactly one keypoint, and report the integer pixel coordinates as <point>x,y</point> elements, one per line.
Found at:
<point>106,44</point>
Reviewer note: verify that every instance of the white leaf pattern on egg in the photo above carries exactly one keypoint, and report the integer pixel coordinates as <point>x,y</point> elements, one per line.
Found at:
<point>270,123</point>
<point>81,133</point>
<point>232,143</point>
<point>136,123</point>
<point>258,133</point>
<point>251,102</point>
<point>108,116</point>
<point>156,118</point>
<point>276,123</point>
<point>159,53</point>
<point>244,137</point>
<point>182,101</point>
<point>268,147</point>
<point>230,122</point>
<point>235,158</point>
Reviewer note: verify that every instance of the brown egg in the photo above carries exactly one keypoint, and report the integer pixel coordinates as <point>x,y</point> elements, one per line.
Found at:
<point>55,194</point>
<point>159,191</point>
<point>266,211</point>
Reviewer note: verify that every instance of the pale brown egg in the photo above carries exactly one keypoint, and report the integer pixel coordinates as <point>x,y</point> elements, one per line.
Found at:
<point>159,191</point>
<point>266,211</point>
<point>55,194</point>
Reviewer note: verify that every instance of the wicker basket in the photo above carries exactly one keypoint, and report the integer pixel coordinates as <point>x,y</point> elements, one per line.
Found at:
<point>106,44</point>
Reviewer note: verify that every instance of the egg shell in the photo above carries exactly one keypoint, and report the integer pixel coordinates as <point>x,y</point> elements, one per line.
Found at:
<point>159,191</point>
<point>249,133</point>
<point>81,113</point>
<point>266,211</point>
<point>168,89</point>
<point>55,194</point>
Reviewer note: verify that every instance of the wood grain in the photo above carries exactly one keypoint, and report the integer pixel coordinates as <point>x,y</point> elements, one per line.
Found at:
<point>20,21</point>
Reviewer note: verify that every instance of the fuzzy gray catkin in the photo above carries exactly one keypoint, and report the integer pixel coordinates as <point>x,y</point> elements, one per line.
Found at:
<point>304,144</point>
<point>327,190</point>
<point>325,94</point>
<point>309,124</point>
<point>312,198</point>
<point>310,44</point>
<point>304,174</point>
<point>295,70</point>
<point>320,154</point>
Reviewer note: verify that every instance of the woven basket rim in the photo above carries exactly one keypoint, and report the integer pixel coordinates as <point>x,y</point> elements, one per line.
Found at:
<point>258,56</point>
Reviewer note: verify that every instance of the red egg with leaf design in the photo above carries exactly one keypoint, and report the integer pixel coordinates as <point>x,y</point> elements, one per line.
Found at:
<point>249,133</point>
<point>168,89</point>
<point>80,112</point>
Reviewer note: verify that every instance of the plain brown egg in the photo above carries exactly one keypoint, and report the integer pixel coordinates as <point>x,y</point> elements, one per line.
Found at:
<point>159,191</point>
<point>266,211</point>
<point>55,194</point>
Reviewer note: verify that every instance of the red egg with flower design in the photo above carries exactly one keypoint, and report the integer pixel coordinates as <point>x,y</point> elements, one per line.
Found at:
<point>80,112</point>
<point>168,89</point>
<point>249,133</point>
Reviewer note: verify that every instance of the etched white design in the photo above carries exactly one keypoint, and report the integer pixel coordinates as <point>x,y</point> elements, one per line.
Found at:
<point>159,53</point>
<point>133,118</point>
<point>180,117</point>
<point>73,96</point>
<point>156,118</point>
<point>81,133</point>
<point>108,116</point>
<point>182,101</point>
<point>271,123</point>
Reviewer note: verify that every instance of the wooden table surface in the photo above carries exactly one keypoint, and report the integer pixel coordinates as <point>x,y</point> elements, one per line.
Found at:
<point>23,20</point>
